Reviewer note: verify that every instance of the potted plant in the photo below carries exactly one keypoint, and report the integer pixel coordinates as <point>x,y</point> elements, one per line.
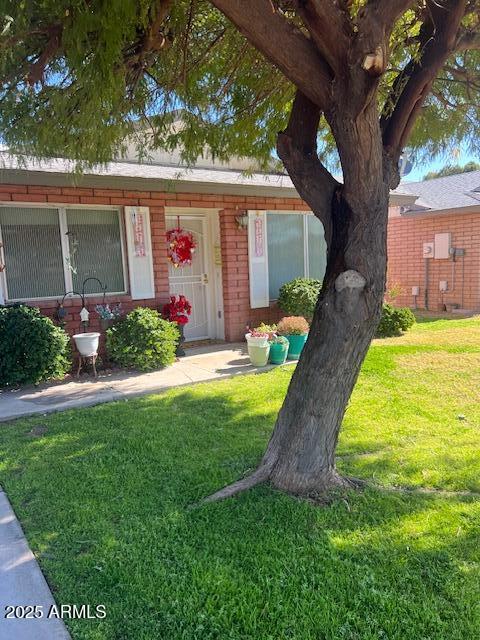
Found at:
<point>278,349</point>
<point>87,343</point>
<point>258,346</point>
<point>178,310</point>
<point>295,329</point>
<point>108,314</point>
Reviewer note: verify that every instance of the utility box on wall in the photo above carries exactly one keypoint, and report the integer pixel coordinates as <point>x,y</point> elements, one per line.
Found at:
<point>428,249</point>
<point>443,242</point>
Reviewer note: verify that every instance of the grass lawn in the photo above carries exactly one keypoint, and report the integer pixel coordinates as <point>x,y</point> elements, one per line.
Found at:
<point>104,498</point>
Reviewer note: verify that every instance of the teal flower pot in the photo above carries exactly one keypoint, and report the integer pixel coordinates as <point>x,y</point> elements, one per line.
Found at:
<point>278,353</point>
<point>296,345</point>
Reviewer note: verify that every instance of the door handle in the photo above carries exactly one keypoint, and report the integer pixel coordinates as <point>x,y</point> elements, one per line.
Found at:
<point>204,278</point>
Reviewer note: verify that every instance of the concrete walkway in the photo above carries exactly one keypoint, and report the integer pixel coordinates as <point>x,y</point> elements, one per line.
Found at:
<point>200,364</point>
<point>22,584</point>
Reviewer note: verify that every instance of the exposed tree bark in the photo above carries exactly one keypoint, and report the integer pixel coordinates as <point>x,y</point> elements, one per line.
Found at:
<point>305,437</point>
<point>468,41</point>
<point>297,148</point>
<point>329,29</point>
<point>385,12</point>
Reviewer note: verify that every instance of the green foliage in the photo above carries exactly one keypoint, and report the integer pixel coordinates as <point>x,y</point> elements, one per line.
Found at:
<point>266,328</point>
<point>299,296</point>
<point>91,96</point>
<point>142,340</point>
<point>394,321</point>
<point>32,348</point>
<point>85,96</point>
<point>452,169</point>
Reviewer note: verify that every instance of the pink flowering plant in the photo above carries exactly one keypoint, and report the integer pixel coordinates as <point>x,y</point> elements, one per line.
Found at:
<point>263,331</point>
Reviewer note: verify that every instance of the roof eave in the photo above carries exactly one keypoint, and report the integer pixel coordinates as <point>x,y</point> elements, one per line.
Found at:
<point>423,213</point>
<point>48,174</point>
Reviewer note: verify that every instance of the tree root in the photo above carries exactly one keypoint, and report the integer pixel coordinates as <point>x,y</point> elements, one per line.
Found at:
<point>257,477</point>
<point>324,494</point>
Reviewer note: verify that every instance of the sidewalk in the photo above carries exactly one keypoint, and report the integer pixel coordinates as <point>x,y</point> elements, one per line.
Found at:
<point>200,364</point>
<point>22,583</point>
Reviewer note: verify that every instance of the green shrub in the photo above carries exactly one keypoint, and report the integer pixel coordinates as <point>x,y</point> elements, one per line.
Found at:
<point>394,320</point>
<point>32,348</point>
<point>142,340</point>
<point>299,297</point>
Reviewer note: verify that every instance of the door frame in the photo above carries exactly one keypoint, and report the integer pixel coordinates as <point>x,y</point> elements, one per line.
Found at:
<point>213,264</point>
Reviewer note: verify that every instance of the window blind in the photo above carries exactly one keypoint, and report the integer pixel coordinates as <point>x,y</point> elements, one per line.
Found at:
<point>33,253</point>
<point>95,245</point>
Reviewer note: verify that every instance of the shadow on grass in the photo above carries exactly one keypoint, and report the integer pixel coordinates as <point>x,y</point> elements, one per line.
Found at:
<point>104,495</point>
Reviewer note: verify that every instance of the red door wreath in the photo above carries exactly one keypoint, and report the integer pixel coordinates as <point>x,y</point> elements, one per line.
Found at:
<point>180,246</point>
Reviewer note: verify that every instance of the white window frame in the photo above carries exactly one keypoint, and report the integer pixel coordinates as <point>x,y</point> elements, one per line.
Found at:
<point>65,248</point>
<point>306,261</point>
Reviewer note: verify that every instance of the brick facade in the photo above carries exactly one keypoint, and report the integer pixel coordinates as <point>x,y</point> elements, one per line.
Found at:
<point>406,265</point>
<point>234,246</point>
<point>80,195</point>
<point>405,239</point>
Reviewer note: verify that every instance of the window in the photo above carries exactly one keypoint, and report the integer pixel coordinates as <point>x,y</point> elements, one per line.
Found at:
<point>33,252</point>
<point>49,251</point>
<point>95,247</point>
<point>296,248</point>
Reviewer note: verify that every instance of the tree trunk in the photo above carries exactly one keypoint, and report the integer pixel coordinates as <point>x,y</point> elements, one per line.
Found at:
<point>300,457</point>
<point>301,452</point>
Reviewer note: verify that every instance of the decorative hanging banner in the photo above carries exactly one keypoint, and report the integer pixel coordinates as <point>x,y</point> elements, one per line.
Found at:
<point>180,246</point>
<point>138,235</point>
<point>258,237</point>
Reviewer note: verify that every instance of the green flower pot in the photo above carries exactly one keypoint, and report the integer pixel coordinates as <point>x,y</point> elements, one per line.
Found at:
<point>296,345</point>
<point>258,354</point>
<point>278,353</point>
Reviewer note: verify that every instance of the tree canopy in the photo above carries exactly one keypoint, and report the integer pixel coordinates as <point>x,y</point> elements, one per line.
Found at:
<point>78,76</point>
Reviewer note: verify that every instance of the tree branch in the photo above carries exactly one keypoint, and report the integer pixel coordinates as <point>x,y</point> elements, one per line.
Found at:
<point>282,44</point>
<point>139,57</point>
<point>37,69</point>
<point>375,23</point>
<point>468,41</point>
<point>297,148</point>
<point>438,39</point>
<point>386,12</point>
<point>328,27</point>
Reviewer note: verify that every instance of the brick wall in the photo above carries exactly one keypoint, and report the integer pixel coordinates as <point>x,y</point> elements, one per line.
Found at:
<point>234,245</point>
<point>406,265</point>
<point>86,196</point>
<point>405,240</point>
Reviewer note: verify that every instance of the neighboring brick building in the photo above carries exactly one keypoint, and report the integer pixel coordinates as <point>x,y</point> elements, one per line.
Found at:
<point>434,245</point>
<point>253,233</point>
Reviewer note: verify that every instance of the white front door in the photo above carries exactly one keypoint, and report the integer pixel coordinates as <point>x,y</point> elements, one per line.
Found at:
<point>193,281</point>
